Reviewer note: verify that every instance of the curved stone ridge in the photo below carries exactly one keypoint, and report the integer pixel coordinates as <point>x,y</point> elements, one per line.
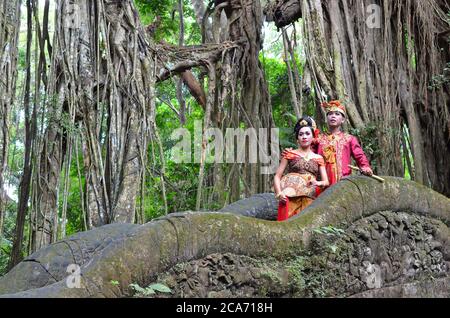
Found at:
<point>375,255</point>
<point>131,253</point>
<point>49,265</point>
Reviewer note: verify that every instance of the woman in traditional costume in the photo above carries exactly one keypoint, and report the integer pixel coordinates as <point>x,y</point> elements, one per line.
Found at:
<point>338,147</point>
<point>306,173</point>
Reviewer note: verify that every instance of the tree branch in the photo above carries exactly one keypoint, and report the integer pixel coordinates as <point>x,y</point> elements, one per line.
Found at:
<point>174,60</point>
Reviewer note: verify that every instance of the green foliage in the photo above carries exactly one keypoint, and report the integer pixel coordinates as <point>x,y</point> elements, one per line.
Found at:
<point>277,79</point>
<point>271,274</point>
<point>75,217</point>
<point>368,139</point>
<point>410,47</point>
<point>150,290</point>
<point>278,82</point>
<point>142,291</point>
<point>5,252</point>
<point>181,180</point>
<point>281,100</point>
<point>295,269</point>
<point>160,288</point>
<point>149,10</point>
<point>329,231</point>
<point>21,60</point>
<point>167,11</point>
<point>440,80</point>
<point>6,241</point>
<point>67,124</point>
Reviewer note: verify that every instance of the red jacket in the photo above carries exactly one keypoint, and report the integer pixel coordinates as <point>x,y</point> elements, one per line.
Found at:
<point>337,151</point>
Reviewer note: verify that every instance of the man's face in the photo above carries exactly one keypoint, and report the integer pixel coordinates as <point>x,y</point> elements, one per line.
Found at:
<point>335,119</point>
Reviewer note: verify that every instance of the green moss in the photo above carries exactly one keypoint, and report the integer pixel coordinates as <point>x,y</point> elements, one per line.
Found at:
<point>295,268</point>
<point>272,275</point>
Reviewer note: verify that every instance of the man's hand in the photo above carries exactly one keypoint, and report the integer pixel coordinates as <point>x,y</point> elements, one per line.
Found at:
<point>367,171</point>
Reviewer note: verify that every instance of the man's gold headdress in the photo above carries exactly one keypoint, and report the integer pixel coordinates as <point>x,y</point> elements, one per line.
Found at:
<point>334,106</point>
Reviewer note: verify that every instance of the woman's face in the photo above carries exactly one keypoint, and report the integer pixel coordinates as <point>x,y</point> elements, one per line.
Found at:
<point>305,137</point>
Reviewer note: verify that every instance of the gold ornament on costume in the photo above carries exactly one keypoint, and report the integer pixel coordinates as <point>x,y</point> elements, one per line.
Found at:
<point>296,185</point>
<point>329,153</point>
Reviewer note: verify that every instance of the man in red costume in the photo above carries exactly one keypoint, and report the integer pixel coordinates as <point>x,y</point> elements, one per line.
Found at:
<point>338,147</point>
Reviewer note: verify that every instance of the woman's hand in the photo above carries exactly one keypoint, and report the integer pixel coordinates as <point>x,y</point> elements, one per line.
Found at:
<point>315,183</point>
<point>286,151</point>
<point>281,197</point>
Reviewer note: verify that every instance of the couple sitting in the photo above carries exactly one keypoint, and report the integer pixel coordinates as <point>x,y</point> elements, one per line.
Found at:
<point>321,156</point>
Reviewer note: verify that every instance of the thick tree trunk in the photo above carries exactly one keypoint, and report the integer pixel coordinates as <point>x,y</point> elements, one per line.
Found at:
<point>24,188</point>
<point>9,30</point>
<point>118,107</point>
<point>108,85</point>
<point>130,101</point>
<point>241,92</point>
<point>62,95</point>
